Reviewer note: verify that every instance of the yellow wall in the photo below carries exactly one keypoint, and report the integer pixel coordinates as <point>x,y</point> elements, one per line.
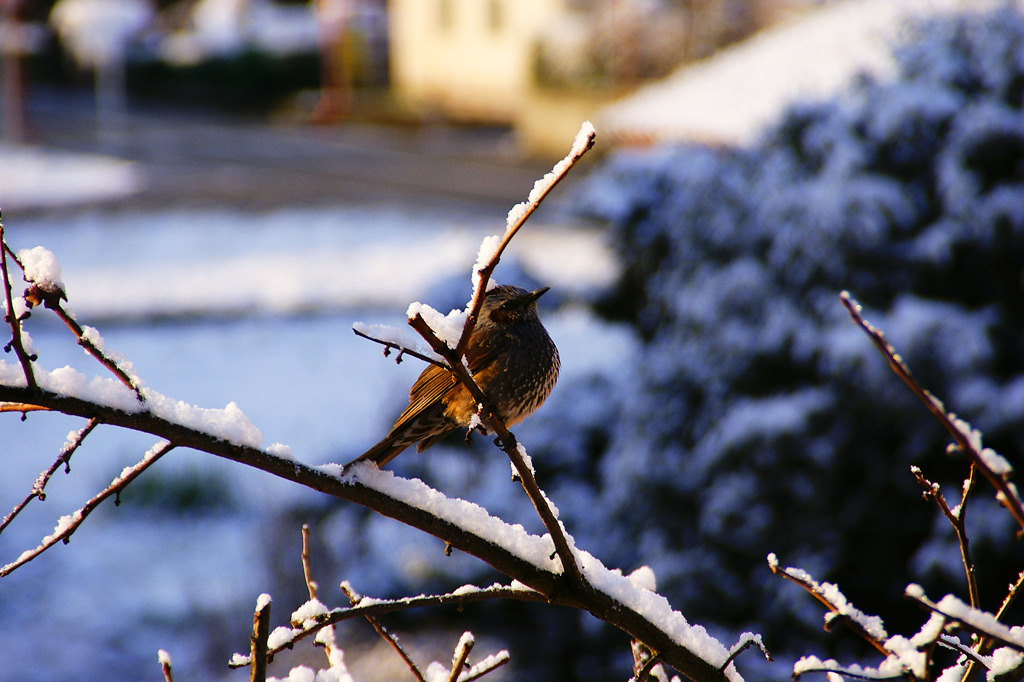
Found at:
<point>470,59</point>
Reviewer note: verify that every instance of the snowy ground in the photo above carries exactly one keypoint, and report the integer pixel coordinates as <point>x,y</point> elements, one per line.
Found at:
<point>219,306</point>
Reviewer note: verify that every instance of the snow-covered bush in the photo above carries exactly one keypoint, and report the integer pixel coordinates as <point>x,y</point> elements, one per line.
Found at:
<point>756,418</point>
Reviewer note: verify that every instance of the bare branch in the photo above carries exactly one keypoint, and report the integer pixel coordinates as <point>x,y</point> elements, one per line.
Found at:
<point>402,350</point>
<point>21,407</point>
<point>44,478</point>
<point>957,520</point>
<point>1007,494</point>
<point>462,650</point>
<point>17,343</point>
<point>67,525</point>
<point>306,572</point>
<point>258,640</point>
<point>392,640</point>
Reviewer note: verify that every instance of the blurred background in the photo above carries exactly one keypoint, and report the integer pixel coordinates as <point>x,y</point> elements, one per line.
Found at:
<point>230,184</point>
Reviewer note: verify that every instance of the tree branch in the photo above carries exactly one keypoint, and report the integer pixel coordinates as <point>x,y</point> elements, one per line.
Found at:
<point>1007,494</point>
<point>612,609</point>
<point>958,521</point>
<point>11,317</point>
<point>67,525</point>
<point>40,483</point>
<point>518,216</point>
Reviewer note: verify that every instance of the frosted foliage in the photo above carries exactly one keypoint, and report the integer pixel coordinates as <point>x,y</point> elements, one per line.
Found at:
<point>755,416</point>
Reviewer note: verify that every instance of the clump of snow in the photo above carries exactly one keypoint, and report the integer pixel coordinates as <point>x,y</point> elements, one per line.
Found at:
<point>513,537</point>
<point>308,612</point>
<point>229,423</point>
<point>488,247</point>
<point>280,450</point>
<point>643,578</point>
<point>41,268</point>
<point>448,328</point>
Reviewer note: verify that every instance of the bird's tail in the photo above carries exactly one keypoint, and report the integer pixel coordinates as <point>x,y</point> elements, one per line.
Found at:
<point>385,451</point>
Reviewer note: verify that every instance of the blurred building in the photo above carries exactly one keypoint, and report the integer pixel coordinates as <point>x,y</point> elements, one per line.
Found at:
<point>544,66</point>
<point>466,59</point>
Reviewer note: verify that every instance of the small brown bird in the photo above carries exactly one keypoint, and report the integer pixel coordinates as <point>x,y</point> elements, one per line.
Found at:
<point>512,359</point>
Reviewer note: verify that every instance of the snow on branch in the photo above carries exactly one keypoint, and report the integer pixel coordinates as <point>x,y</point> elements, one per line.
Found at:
<point>448,337</point>
<point>42,271</point>
<point>903,657</point>
<point>313,617</point>
<point>869,628</point>
<point>547,567</point>
<point>981,622</point>
<point>69,523</point>
<point>992,466</point>
<point>492,247</point>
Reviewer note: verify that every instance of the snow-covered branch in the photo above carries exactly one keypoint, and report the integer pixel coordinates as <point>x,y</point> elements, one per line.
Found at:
<point>547,567</point>
<point>644,615</point>
<point>493,247</point>
<point>992,466</point>
<point>69,523</point>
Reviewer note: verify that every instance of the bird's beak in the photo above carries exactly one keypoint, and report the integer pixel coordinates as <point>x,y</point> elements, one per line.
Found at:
<point>529,298</point>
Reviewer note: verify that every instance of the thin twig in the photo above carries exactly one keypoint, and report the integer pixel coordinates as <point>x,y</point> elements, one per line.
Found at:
<point>745,643</point>
<point>67,525</point>
<point>462,650</point>
<point>307,574</point>
<point>804,580</point>
<point>12,319</point>
<point>402,350</point>
<point>490,417</point>
<point>490,664</point>
<point>560,170</point>
<point>21,407</point>
<point>381,606</point>
<point>1007,494</point>
<point>165,666</point>
<point>91,348</point>
<point>983,643</point>
<point>644,661</point>
<point>392,640</point>
<point>1001,634</point>
<point>258,641</point>
<point>40,483</point>
<point>957,520</point>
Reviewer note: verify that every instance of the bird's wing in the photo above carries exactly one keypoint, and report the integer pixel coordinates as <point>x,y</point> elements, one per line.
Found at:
<point>430,387</point>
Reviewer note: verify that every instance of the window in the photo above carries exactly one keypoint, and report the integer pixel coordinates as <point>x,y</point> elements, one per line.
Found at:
<point>495,16</point>
<point>445,14</point>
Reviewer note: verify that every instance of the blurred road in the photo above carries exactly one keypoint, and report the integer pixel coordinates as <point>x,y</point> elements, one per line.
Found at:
<point>213,159</point>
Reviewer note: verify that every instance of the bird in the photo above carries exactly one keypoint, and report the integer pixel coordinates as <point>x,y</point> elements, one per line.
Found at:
<point>511,358</point>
